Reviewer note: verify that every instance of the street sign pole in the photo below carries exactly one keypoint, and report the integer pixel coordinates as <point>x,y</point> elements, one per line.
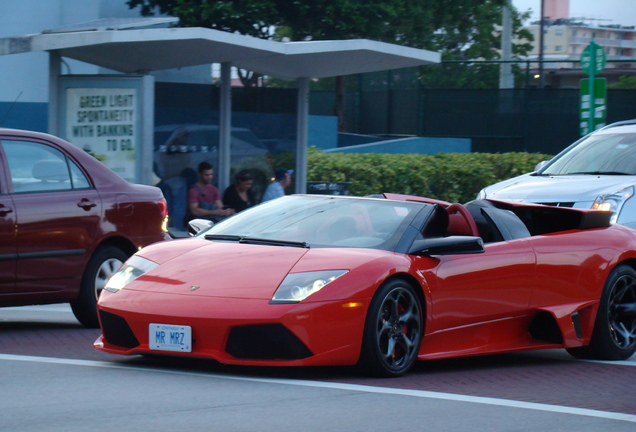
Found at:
<point>592,62</point>
<point>592,74</point>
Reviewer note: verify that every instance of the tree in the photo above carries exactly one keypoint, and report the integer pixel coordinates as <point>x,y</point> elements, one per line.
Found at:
<point>248,17</point>
<point>459,29</point>
<point>624,82</point>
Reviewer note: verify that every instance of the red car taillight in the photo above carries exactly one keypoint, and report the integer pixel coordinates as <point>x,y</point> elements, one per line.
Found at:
<point>163,206</point>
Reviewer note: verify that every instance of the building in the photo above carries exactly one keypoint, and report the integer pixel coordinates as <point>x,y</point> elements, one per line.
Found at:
<point>565,38</point>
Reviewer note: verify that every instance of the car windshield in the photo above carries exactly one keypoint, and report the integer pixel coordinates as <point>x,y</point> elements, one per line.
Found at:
<point>602,153</point>
<point>320,221</point>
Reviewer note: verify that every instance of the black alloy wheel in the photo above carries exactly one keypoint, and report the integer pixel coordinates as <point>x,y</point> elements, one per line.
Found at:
<point>393,330</point>
<point>614,336</point>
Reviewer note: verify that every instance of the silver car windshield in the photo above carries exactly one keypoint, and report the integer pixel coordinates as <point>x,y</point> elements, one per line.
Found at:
<point>321,221</point>
<point>612,154</point>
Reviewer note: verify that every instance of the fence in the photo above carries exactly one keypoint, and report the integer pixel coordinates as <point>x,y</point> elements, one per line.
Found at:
<point>530,119</point>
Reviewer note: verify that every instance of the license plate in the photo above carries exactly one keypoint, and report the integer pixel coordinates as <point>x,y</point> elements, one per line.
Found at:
<point>168,337</point>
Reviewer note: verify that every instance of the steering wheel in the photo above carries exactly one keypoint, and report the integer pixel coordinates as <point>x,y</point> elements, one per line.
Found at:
<point>459,208</point>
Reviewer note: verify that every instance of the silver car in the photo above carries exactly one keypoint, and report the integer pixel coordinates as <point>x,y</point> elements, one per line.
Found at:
<point>598,171</point>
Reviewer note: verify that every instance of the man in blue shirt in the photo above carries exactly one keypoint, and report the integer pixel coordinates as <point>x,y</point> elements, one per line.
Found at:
<point>276,189</point>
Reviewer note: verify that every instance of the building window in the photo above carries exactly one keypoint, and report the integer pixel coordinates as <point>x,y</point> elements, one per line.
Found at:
<point>558,32</point>
<point>558,48</point>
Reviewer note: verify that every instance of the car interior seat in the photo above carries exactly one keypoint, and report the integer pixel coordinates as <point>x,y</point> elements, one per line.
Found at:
<point>460,221</point>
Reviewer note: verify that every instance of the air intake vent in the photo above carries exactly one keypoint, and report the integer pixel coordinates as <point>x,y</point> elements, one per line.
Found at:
<point>116,330</point>
<point>266,342</point>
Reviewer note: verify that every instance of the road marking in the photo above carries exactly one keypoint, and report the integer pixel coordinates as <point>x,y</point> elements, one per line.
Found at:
<point>61,307</point>
<point>341,386</point>
<point>612,362</point>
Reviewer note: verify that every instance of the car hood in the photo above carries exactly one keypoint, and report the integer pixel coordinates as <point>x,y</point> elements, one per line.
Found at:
<point>581,190</point>
<point>218,269</point>
<point>248,271</point>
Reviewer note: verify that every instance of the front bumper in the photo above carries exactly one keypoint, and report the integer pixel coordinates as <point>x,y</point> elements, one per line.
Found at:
<point>237,331</point>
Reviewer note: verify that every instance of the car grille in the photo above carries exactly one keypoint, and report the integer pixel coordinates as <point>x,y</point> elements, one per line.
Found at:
<point>265,342</point>
<point>558,204</point>
<point>116,330</point>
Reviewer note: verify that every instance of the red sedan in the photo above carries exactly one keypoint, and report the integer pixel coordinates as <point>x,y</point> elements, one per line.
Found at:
<point>67,223</point>
<point>381,283</point>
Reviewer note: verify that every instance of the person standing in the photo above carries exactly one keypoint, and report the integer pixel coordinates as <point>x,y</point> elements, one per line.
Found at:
<point>276,189</point>
<point>204,199</point>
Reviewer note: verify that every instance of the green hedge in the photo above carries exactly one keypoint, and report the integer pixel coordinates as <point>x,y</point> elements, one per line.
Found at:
<point>453,177</point>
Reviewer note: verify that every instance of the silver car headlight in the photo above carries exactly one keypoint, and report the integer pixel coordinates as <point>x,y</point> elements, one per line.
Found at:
<point>131,270</point>
<point>298,286</point>
<point>613,202</point>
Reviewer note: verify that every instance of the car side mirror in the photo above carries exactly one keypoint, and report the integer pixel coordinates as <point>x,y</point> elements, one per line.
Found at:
<point>195,226</point>
<point>452,245</point>
<point>540,165</point>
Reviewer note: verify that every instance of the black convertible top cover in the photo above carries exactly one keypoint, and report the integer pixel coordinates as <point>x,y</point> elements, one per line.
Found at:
<point>542,219</point>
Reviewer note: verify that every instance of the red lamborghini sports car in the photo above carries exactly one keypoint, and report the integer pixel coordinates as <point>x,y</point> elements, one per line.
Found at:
<point>380,283</point>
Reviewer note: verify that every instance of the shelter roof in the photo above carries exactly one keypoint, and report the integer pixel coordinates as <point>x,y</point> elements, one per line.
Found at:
<point>127,49</point>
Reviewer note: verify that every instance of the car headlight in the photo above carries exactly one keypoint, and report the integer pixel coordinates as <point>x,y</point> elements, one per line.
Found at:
<point>298,286</point>
<point>613,202</point>
<point>131,270</point>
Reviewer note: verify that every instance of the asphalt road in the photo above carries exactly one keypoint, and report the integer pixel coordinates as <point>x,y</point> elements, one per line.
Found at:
<point>51,379</point>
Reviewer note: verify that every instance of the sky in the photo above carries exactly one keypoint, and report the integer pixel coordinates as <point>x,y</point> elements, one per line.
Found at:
<point>621,12</point>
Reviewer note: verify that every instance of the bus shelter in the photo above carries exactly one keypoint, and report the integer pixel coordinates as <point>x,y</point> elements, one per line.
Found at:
<point>122,46</point>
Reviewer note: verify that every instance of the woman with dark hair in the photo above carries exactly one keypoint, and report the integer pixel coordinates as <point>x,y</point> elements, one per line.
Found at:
<point>239,196</point>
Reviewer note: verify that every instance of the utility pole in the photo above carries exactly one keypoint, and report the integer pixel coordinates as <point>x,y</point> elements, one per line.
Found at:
<point>541,24</point>
<point>506,78</point>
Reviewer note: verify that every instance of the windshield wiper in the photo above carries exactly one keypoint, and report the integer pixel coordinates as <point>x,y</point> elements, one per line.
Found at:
<point>599,173</point>
<point>272,242</point>
<point>254,240</point>
<point>224,237</point>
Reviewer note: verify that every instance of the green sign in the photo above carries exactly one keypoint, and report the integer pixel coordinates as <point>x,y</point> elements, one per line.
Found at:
<point>593,59</point>
<point>593,93</point>
<point>593,105</point>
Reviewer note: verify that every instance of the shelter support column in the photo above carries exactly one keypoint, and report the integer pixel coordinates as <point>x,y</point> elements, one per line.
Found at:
<point>225,126</point>
<point>55,65</point>
<point>302,120</point>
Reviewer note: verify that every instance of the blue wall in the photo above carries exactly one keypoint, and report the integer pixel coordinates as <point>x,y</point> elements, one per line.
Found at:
<point>419,145</point>
<point>24,115</point>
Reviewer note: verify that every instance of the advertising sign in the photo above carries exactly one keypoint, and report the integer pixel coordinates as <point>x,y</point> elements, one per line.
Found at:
<point>101,121</point>
<point>112,118</point>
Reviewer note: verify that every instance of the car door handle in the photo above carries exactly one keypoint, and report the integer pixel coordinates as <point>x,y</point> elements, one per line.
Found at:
<point>86,204</point>
<point>5,210</point>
